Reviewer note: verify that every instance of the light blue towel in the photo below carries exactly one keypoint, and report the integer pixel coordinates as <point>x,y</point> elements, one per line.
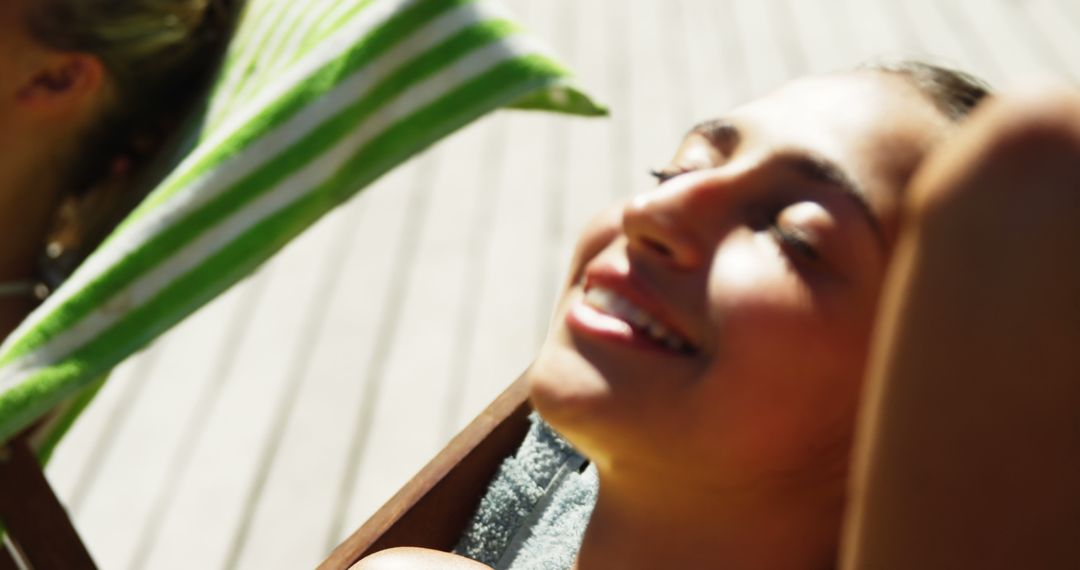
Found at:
<point>534,514</point>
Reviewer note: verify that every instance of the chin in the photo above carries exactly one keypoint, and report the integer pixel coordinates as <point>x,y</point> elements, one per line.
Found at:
<point>564,387</point>
<point>578,400</point>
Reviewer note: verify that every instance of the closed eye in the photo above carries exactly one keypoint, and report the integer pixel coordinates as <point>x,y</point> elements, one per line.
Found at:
<point>794,240</point>
<point>663,175</point>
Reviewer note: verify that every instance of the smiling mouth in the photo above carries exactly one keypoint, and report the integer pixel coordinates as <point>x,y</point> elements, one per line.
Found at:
<point>609,302</point>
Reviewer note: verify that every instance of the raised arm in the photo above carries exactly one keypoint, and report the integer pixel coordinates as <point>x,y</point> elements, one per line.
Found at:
<point>969,447</point>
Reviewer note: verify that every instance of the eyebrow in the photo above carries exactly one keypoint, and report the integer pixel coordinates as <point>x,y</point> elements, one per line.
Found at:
<point>725,136</point>
<point>722,133</point>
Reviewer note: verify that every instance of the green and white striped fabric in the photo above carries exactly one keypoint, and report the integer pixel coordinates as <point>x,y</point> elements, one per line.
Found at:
<point>316,99</point>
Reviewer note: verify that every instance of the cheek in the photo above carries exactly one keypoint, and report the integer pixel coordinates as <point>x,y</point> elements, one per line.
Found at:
<point>755,299</point>
<point>766,314</point>
<point>788,358</point>
<point>782,392</point>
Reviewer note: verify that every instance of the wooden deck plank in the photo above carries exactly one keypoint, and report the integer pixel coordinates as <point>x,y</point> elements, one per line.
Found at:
<point>1047,23</point>
<point>796,62</point>
<point>241,419</point>
<point>699,65</point>
<point>587,177</point>
<point>372,371</point>
<point>69,464</point>
<point>414,376</point>
<point>472,295</point>
<point>1072,11</point>
<point>283,481</point>
<point>906,30</point>
<point>983,50</point>
<point>300,485</point>
<point>122,452</point>
<point>554,23</point>
<point>672,45</point>
<point>619,95</point>
<point>766,64</point>
<point>996,26</point>
<point>937,36</point>
<point>825,41</point>
<point>121,494</point>
<point>505,331</point>
<point>649,105</point>
<point>826,38</point>
<point>730,53</point>
<point>874,34</point>
<point>559,26</point>
<point>507,320</point>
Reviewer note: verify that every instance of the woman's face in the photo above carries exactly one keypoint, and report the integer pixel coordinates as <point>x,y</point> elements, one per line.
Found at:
<point>719,324</point>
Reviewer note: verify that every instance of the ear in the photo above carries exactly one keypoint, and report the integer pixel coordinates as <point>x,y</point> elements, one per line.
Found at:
<point>65,82</point>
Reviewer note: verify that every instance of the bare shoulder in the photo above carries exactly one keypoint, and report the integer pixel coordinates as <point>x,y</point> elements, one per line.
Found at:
<point>411,558</point>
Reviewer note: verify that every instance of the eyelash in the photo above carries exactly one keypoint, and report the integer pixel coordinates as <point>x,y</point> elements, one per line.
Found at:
<point>664,175</point>
<point>793,240</point>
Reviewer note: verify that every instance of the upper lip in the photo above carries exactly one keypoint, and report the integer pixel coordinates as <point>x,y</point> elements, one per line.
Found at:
<point>626,286</point>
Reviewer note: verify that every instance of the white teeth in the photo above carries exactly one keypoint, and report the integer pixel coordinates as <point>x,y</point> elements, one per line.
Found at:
<point>612,303</point>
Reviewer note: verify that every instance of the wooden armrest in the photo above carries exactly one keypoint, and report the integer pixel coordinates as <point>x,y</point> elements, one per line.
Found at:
<point>432,509</point>
<point>36,520</point>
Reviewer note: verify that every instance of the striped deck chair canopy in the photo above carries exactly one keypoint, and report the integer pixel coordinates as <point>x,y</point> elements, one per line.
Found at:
<point>314,101</point>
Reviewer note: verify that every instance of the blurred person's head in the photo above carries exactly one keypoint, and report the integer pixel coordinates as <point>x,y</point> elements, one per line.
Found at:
<point>88,90</point>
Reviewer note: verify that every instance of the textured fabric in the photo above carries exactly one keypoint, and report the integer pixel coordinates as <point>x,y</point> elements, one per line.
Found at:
<point>535,511</point>
<point>316,99</point>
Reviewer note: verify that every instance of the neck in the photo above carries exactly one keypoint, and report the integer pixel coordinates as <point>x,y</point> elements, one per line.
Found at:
<point>17,265</point>
<point>636,525</point>
<point>30,188</point>
<point>12,311</point>
<point>25,229</point>
<point>28,201</point>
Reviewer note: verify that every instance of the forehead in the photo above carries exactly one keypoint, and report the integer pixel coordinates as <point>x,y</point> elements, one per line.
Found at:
<point>875,126</point>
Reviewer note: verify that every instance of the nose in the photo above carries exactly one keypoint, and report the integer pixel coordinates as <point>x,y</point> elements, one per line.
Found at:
<point>667,223</point>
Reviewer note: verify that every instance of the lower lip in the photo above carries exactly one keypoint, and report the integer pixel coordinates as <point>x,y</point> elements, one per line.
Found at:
<point>584,319</point>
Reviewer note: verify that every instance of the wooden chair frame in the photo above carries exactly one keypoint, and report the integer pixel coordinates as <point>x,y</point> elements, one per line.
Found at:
<point>432,509</point>
<point>39,533</point>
